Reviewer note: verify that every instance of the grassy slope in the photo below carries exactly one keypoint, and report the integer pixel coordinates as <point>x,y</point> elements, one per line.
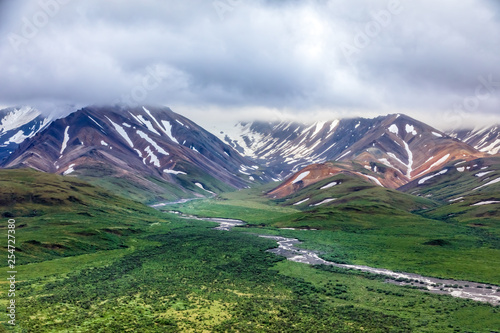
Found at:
<point>149,189</point>
<point>356,191</point>
<point>457,191</point>
<point>62,216</point>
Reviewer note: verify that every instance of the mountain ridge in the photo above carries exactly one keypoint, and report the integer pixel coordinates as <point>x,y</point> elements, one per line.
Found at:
<point>136,144</point>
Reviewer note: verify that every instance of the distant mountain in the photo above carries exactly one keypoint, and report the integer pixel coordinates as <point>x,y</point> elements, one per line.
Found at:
<point>286,147</point>
<point>396,148</point>
<point>485,139</point>
<point>146,153</point>
<point>18,124</point>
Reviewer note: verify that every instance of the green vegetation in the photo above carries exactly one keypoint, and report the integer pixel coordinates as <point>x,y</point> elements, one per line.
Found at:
<point>360,231</point>
<point>121,266</point>
<point>460,189</point>
<point>199,279</point>
<point>248,205</point>
<point>60,216</point>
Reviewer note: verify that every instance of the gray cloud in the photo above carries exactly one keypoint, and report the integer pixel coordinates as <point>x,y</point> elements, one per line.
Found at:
<point>423,58</point>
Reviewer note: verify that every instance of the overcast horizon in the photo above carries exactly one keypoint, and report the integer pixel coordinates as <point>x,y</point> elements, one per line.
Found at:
<point>230,60</point>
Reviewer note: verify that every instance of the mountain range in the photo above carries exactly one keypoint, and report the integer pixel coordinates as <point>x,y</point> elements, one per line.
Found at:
<point>146,153</point>
<point>151,153</point>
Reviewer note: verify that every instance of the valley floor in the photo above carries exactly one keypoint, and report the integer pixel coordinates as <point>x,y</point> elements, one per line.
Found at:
<point>180,275</point>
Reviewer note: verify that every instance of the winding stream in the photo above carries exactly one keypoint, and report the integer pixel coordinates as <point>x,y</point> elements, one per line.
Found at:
<point>476,291</point>
<point>287,247</point>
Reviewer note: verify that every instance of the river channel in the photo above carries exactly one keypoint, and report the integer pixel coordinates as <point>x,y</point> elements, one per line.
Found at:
<point>287,247</point>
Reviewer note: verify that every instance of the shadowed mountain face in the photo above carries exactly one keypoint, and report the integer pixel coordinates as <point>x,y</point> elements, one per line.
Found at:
<point>16,125</point>
<point>147,153</point>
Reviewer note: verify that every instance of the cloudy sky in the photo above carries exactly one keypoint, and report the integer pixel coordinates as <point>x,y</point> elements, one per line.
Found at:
<point>241,59</point>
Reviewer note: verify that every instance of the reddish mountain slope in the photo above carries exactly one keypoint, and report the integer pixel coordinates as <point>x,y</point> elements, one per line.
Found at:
<point>149,149</point>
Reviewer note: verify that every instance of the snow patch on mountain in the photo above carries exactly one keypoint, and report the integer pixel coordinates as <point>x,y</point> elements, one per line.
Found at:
<point>485,203</point>
<point>423,180</point>
<point>482,174</point>
<point>153,158</point>
<point>122,132</point>
<point>17,138</point>
<point>148,124</point>
<point>301,176</point>
<point>96,122</point>
<point>441,161</point>
<point>152,142</point>
<point>324,202</point>
<point>410,129</point>
<point>343,155</point>
<point>168,130</point>
<point>493,148</point>
<point>410,160</point>
<point>70,170</point>
<point>173,172</point>
<point>394,129</point>
<point>332,184</point>
<point>334,125</point>
<point>488,184</point>
<point>140,154</point>
<point>371,178</point>
<point>65,141</point>
<point>319,127</point>
<point>154,119</point>
<point>203,188</point>
<point>301,202</point>
<point>17,118</point>
<point>386,162</point>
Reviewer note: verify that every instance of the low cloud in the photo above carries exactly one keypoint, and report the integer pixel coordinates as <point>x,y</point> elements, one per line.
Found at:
<point>303,58</point>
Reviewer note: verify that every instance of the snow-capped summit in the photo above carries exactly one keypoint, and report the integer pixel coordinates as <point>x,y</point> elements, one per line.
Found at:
<point>18,124</point>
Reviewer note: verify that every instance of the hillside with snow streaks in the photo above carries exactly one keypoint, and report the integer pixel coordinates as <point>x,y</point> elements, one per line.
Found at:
<point>286,147</point>
<point>485,139</point>
<point>134,146</point>
<point>396,147</point>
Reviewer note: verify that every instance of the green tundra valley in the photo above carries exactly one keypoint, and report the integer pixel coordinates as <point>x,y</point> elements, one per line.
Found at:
<point>90,261</point>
